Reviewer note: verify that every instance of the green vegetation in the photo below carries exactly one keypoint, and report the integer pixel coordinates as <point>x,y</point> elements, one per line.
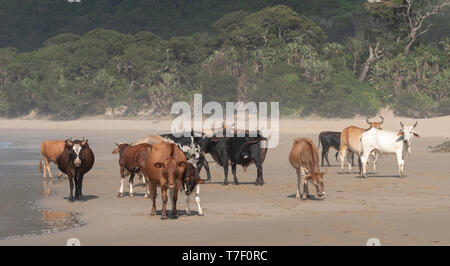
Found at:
<point>330,58</point>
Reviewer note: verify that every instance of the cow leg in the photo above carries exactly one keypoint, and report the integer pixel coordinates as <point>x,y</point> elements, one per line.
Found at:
<point>187,199</point>
<point>342,153</point>
<point>259,170</point>
<point>197,199</point>
<point>400,162</point>
<point>375,158</point>
<point>349,155</point>
<point>203,162</point>
<point>174,196</point>
<point>122,180</point>
<point>71,188</point>
<point>80,185</point>
<point>363,159</point>
<point>131,182</point>
<point>164,200</point>
<point>299,180</point>
<point>225,172</point>
<point>326,157</point>
<point>233,170</point>
<point>152,192</point>
<point>323,154</point>
<point>353,158</point>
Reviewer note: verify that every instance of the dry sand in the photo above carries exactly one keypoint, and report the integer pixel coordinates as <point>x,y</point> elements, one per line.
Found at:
<point>399,211</point>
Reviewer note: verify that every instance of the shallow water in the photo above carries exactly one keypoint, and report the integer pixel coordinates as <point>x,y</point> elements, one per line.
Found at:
<point>20,191</point>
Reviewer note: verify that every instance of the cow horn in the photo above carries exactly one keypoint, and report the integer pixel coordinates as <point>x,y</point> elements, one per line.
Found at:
<point>117,144</point>
<point>415,124</point>
<point>382,119</point>
<point>367,120</point>
<point>401,124</point>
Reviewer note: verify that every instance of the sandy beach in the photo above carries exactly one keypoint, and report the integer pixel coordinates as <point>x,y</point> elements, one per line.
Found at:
<point>414,210</point>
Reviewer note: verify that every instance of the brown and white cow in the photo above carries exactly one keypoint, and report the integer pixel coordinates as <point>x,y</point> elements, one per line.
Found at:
<point>132,160</point>
<point>75,161</point>
<point>304,157</point>
<point>165,166</point>
<point>191,181</point>
<point>350,142</point>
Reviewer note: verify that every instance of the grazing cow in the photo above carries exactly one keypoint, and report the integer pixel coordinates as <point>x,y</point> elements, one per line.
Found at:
<point>165,166</point>
<point>132,160</point>
<point>191,181</point>
<point>304,157</point>
<point>330,139</point>
<point>350,141</point>
<point>75,161</point>
<point>191,148</point>
<point>387,142</point>
<point>236,150</point>
<point>50,151</point>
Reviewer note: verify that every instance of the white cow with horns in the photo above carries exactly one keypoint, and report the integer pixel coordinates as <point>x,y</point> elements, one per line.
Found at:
<point>387,142</point>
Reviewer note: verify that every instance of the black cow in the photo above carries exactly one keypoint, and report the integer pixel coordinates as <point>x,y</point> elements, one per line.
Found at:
<point>75,161</point>
<point>330,139</point>
<point>234,150</point>
<point>191,146</point>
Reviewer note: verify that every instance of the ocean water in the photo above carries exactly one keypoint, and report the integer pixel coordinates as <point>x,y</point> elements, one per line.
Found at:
<point>20,191</point>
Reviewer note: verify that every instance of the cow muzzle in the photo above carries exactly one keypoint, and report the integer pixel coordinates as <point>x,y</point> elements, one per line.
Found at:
<point>77,162</point>
<point>322,195</point>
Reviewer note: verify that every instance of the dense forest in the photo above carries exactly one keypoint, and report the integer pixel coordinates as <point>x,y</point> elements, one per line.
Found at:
<point>333,58</point>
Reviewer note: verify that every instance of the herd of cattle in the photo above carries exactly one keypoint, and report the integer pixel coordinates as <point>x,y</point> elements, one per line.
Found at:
<point>164,159</point>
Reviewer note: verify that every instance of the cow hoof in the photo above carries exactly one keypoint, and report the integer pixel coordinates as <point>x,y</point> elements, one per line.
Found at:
<point>119,195</point>
<point>201,214</point>
<point>236,183</point>
<point>174,216</point>
<point>297,196</point>
<point>225,183</point>
<point>131,196</point>
<point>164,217</point>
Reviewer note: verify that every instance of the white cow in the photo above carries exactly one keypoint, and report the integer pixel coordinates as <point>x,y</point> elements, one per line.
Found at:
<point>387,142</point>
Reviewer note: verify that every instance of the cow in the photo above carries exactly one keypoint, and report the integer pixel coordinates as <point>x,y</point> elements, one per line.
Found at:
<point>75,161</point>
<point>304,157</point>
<point>234,150</point>
<point>330,139</point>
<point>191,181</point>
<point>150,139</point>
<point>132,160</point>
<point>50,151</point>
<point>190,145</point>
<point>350,142</point>
<point>387,142</point>
<point>165,166</point>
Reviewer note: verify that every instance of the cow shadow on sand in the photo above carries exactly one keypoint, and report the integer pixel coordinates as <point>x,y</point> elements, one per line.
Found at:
<point>310,197</point>
<point>181,213</point>
<point>230,183</point>
<point>85,198</point>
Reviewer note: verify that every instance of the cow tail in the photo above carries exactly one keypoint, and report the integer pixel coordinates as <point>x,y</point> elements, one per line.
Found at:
<point>40,165</point>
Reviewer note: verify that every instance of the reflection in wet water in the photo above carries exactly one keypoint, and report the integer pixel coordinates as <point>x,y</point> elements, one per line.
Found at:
<point>57,221</point>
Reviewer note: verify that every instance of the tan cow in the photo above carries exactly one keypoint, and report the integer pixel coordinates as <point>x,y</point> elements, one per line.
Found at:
<point>304,157</point>
<point>350,142</point>
<point>50,151</point>
<point>151,139</point>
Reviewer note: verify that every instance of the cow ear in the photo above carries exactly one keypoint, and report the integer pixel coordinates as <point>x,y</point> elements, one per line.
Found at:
<point>400,133</point>
<point>200,181</point>
<point>158,165</point>
<point>415,134</point>
<point>325,172</point>
<point>181,164</point>
<point>115,151</point>
<point>214,139</point>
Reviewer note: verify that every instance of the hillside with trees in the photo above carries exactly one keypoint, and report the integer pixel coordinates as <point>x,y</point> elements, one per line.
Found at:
<point>328,58</point>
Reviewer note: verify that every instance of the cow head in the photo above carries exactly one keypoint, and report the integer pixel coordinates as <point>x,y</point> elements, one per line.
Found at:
<point>76,147</point>
<point>375,124</point>
<point>120,147</point>
<point>190,179</point>
<point>170,171</point>
<point>407,133</point>
<point>317,180</point>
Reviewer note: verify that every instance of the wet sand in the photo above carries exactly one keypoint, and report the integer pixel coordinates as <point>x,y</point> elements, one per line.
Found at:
<point>399,211</point>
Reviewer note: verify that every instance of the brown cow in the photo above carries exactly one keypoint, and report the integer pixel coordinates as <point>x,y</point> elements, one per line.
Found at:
<point>165,166</point>
<point>350,142</point>
<point>132,160</point>
<point>304,157</point>
<point>75,161</point>
<point>50,151</point>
